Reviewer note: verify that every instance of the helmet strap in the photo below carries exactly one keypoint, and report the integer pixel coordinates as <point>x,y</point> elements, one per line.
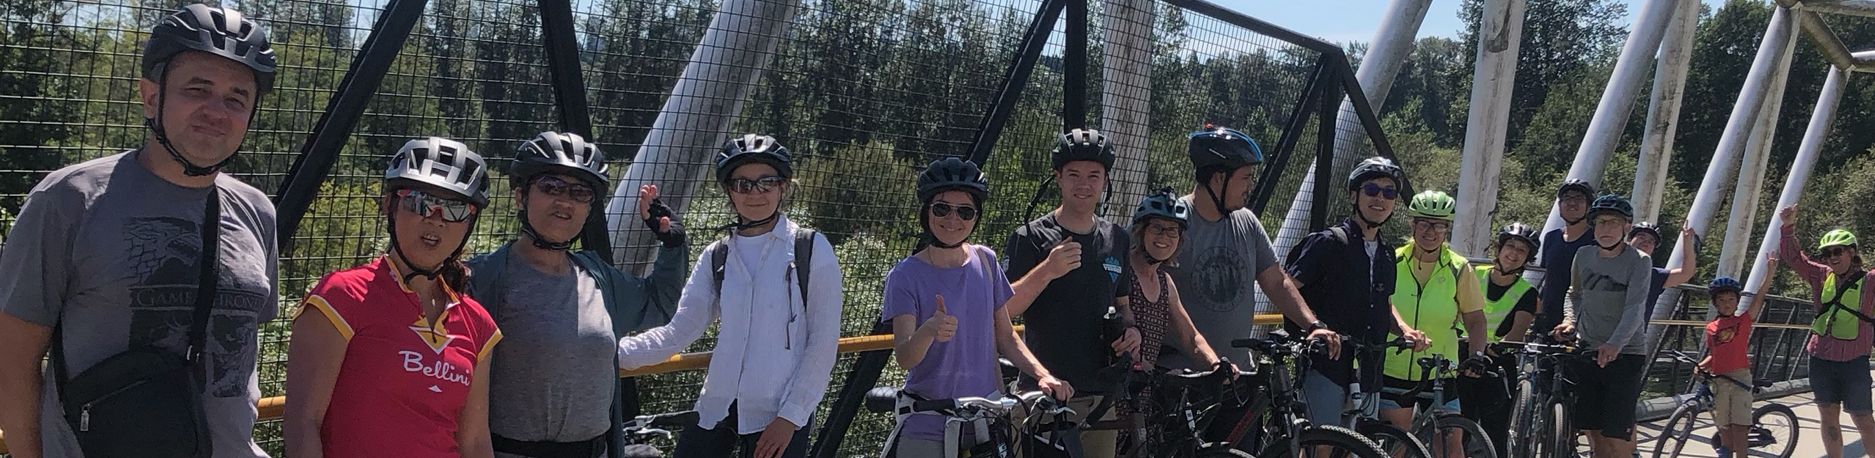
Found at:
<point>527,227</point>
<point>418,271</point>
<point>1215,199</point>
<point>1370,224</point>
<point>155,126</point>
<point>742,224</point>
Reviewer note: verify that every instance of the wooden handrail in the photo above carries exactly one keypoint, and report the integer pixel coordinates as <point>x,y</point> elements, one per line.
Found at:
<point>273,408</point>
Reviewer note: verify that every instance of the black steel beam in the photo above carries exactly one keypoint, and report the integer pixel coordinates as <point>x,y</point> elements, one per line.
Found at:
<point>1278,159</point>
<point>1014,79</point>
<point>1074,67</point>
<point>341,115</point>
<point>860,379</point>
<point>1214,11</point>
<point>1365,111</point>
<point>569,93</point>
<point>1325,152</point>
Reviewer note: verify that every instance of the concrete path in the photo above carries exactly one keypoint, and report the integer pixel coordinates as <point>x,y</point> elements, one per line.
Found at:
<point>1809,439</point>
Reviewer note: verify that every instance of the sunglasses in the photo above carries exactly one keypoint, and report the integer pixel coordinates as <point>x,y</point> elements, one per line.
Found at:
<point>454,211</point>
<point>1834,251</point>
<point>941,210</point>
<point>761,185</point>
<point>1167,231</point>
<point>555,187</point>
<point>1371,190</point>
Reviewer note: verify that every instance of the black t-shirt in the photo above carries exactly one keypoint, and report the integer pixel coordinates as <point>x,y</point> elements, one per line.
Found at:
<point>1526,304</point>
<point>1064,324</point>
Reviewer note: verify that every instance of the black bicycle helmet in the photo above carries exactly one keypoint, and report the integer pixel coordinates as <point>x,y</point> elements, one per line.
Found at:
<point>1611,204</point>
<point>219,31</point>
<point>554,152</point>
<point>1082,145</point>
<point>1646,228</point>
<point>1522,232</point>
<point>953,173</point>
<point>1222,147</point>
<point>753,147</point>
<point>1371,168</point>
<point>1165,205</point>
<point>441,164</point>
<point>1577,185</point>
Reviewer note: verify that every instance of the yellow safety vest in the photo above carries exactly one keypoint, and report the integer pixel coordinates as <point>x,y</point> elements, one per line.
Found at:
<point>1431,308</point>
<point>1496,311</point>
<point>1841,317</point>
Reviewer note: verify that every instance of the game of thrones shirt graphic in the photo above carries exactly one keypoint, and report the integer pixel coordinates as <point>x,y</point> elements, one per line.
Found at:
<point>164,255</point>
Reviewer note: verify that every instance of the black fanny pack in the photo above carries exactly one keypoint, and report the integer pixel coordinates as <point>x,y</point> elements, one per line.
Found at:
<point>147,401</point>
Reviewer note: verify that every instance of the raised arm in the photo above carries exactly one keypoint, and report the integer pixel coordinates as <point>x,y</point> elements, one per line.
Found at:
<point>1689,256</point>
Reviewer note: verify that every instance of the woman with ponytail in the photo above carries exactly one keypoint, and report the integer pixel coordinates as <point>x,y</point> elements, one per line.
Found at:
<point>949,309</point>
<point>388,358</point>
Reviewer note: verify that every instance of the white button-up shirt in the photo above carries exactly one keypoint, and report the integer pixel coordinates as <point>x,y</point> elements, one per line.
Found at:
<point>774,354</point>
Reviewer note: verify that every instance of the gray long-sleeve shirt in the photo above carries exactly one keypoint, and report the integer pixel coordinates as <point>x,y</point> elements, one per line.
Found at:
<point>1609,298</point>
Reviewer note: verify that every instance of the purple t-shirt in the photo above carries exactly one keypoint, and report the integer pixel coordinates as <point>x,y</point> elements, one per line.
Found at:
<point>966,365</point>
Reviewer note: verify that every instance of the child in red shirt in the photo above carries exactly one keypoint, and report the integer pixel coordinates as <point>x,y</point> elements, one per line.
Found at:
<point>1728,337</point>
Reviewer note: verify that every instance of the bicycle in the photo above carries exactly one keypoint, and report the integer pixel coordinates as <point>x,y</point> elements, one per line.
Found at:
<point>988,417</point>
<point>1435,424</point>
<point>1541,425</point>
<point>1277,420</point>
<point>1363,414</point>
<point>1174,409</point>
<point>640,432</point>
<point>1774,426</point>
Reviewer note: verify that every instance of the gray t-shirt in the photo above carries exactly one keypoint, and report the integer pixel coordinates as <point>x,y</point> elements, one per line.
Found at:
<point>1609,298</point>
<point>115,250</point>
<point>1216,277</point>
<point>552,377</point>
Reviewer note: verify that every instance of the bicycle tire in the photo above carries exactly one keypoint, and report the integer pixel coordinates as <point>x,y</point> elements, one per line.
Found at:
<point>1678,430</point>
<point>1781,417</point>
<point>1343,443</point>
<point>1527,423</point>
<point>1475,443</point>
<point>1393,440</point>
<point>1563,434</point>
<point>1222,451</point>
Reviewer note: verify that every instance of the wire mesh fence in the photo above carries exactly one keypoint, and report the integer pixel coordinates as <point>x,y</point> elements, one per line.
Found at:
<point>863,91</point>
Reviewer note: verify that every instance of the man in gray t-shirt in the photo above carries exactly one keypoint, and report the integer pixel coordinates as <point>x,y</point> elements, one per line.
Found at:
<point>110,250</point>
<point>1217,275</point>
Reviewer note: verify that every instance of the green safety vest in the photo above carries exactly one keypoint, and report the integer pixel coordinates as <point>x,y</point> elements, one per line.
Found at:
<point>1841,317</point>
<point>1496,311</point>
<point>1431,308</point>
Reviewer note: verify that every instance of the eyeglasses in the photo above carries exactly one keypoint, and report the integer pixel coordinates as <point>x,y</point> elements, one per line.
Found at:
<point>941,210</point>
<point>1834,251</point>
<point>1573,198</point>
<point>553,186</point>
<point>1168,231</point>
<point>1440,226</point>
<point>756,186</point>
<point>454,211</point>
<point>1371,190</point>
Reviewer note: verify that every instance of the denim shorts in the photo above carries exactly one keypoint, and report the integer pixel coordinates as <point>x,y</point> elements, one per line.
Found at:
<point>1842,382</point>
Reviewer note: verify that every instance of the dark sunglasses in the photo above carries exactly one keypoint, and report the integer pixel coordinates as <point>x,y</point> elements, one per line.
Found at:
<point>1834,251</point>
<point>762,185</point>
<point>555,187</point>
<point>454,211</point>
<point>1371,190</point>
<point>1167,231</point>
<point>941,210</point>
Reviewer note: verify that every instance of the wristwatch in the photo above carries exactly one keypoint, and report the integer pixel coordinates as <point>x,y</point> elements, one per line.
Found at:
<point>1317,324</point>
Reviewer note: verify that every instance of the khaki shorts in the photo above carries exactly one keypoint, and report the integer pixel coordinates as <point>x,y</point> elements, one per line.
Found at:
<point>1731,404</point>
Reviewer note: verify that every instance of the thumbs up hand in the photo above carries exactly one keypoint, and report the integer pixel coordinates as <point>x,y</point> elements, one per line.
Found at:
<point>942,326</point>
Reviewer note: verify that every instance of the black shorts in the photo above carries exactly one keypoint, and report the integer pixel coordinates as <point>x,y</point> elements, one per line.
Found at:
<point>1606,396</point>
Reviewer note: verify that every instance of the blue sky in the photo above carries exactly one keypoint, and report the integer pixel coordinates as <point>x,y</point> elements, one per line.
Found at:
<point>1356,20</point>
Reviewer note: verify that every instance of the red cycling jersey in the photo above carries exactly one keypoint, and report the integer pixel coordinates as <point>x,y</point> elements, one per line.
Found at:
<point>404,381</point>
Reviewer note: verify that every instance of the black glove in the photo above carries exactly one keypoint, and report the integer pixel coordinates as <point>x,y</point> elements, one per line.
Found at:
<point>671,238</point>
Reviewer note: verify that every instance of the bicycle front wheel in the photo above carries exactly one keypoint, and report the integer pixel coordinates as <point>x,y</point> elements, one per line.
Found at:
<point>1774,429</point>
<point>1567,441</point>
<point>1679,428</point>
<point>1454,427</point>
<point>1326,442</point>
<point>1394,440</point>
<point>1527,422</point>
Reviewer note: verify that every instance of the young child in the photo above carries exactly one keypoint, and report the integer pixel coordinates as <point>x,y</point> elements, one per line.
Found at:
<point>1729,337</point>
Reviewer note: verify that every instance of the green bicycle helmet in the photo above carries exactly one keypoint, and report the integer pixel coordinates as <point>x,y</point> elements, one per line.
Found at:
<point>1432,204</point>
<point>1838,237</point>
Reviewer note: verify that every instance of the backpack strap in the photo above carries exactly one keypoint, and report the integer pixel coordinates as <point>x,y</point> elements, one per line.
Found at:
<point>719,258</point>
<point>1340,235</point>
<point>1849,282</point>
<point>804,259</point>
